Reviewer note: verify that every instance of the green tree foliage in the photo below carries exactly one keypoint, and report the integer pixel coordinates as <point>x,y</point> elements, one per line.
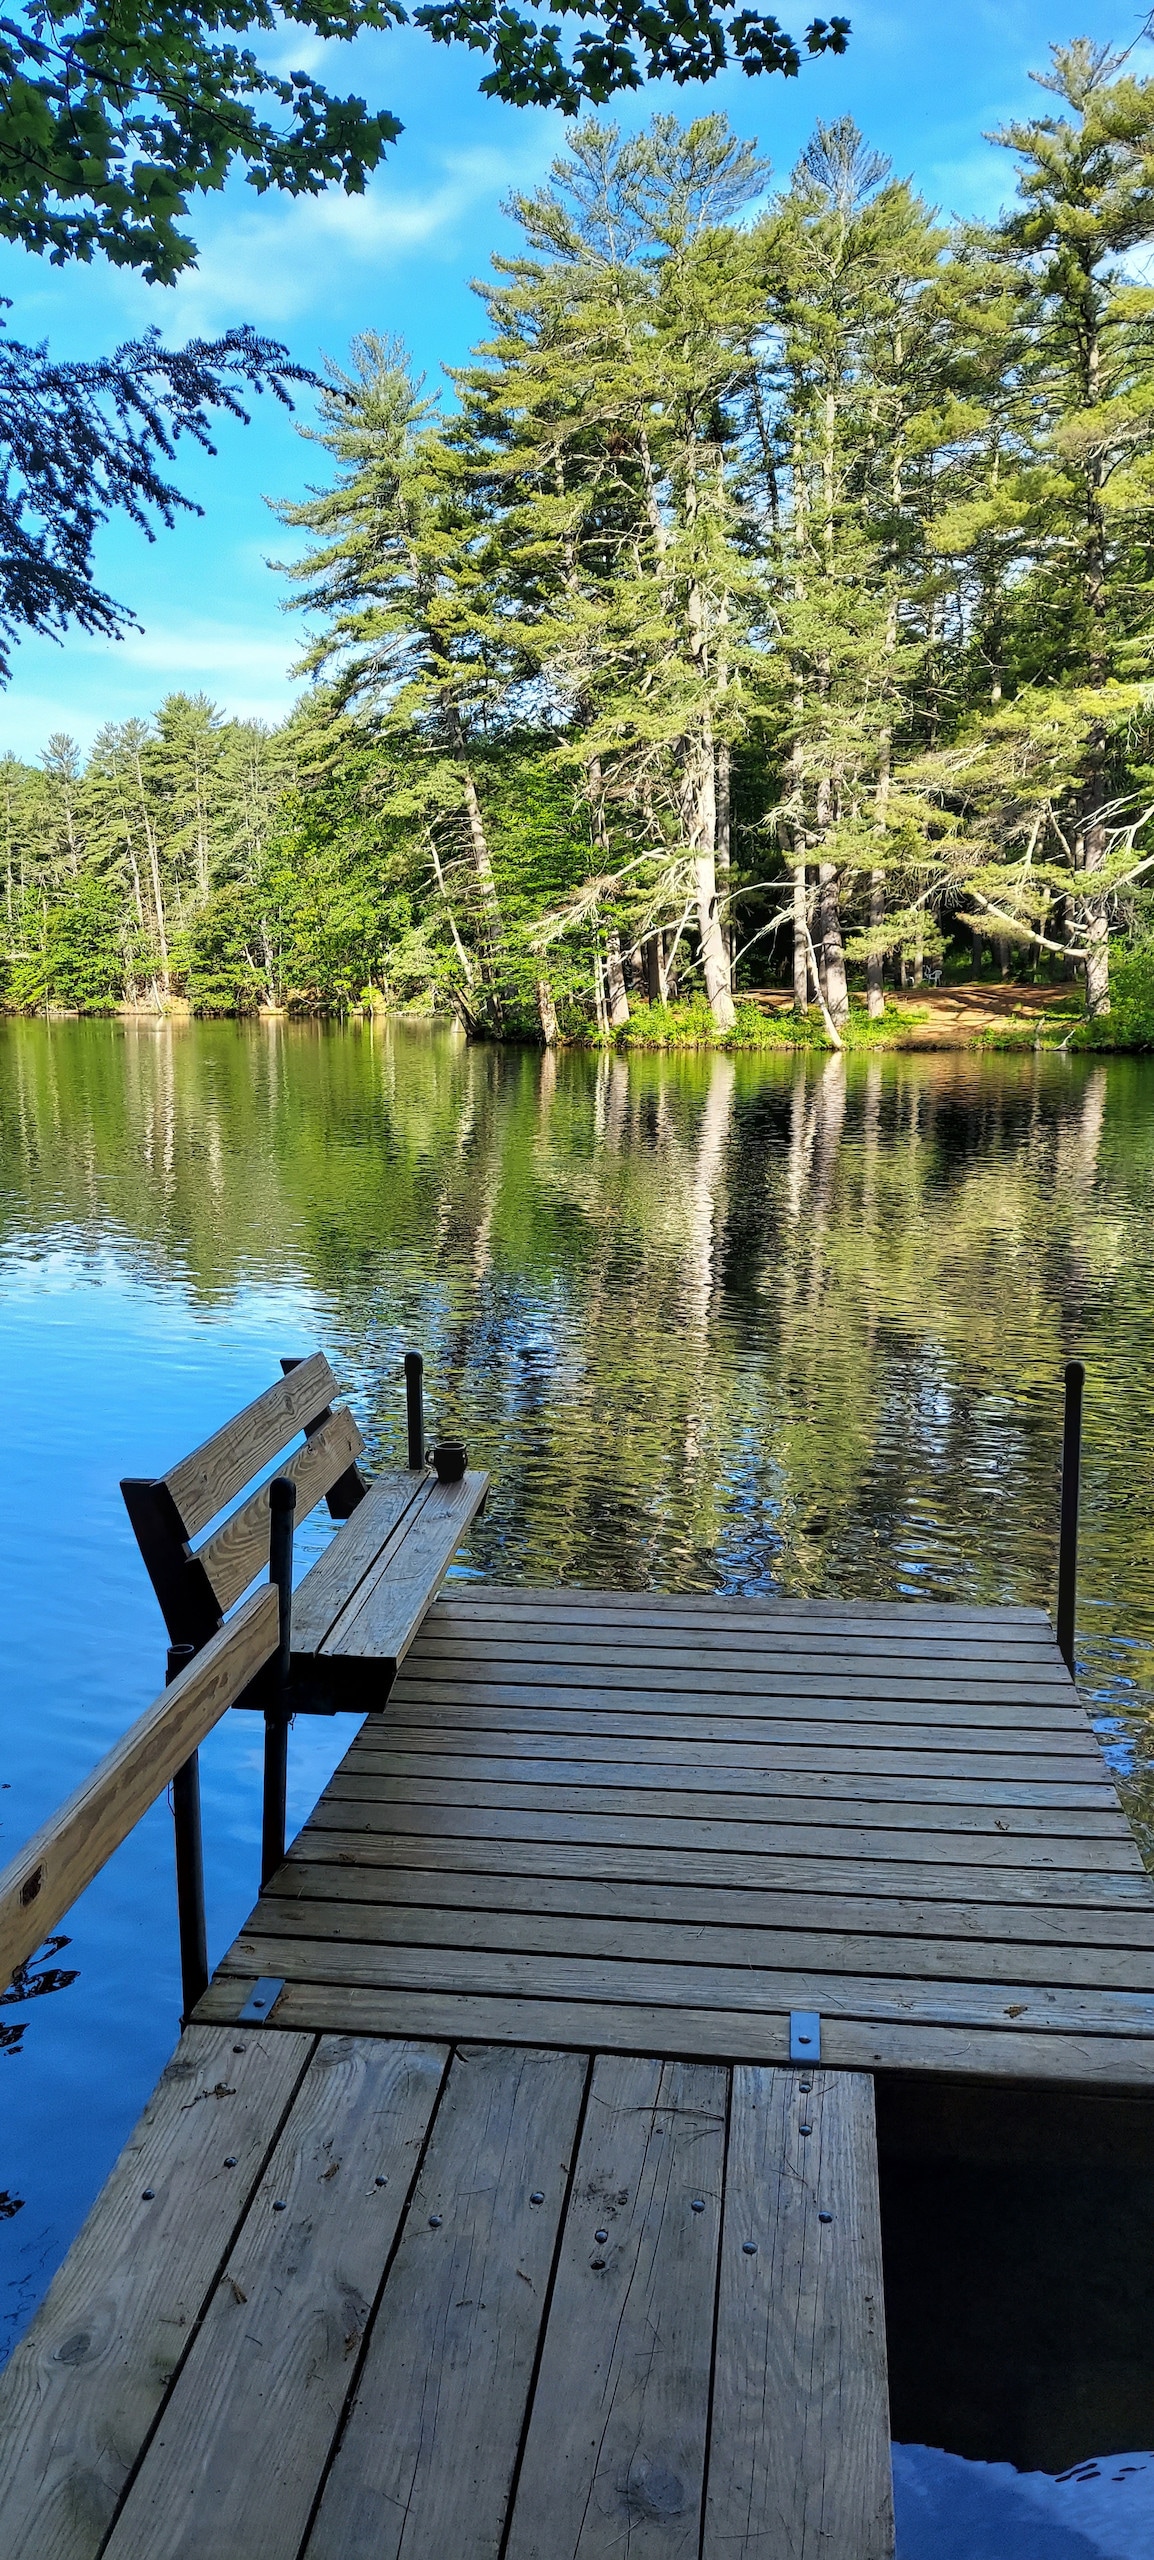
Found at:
<point>773,591</point>
<point>111,118</point>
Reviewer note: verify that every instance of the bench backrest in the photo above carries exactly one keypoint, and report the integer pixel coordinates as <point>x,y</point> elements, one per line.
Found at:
<point>195,1586</point>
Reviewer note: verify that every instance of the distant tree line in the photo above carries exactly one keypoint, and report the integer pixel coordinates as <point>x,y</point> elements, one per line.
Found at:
<point>774,599</point>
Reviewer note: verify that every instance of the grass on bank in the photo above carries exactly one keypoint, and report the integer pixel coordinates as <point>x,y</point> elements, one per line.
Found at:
<point>690,1025</point>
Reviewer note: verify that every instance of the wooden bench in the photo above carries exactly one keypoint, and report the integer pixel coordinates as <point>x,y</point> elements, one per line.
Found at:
<point>356,1611</point>
<point>364,1600</point>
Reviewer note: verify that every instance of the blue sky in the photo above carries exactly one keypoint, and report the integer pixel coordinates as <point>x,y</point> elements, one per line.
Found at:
<point>924,82</point>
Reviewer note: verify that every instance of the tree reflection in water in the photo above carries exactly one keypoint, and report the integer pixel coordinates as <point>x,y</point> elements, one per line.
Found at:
<point>732,1322</point>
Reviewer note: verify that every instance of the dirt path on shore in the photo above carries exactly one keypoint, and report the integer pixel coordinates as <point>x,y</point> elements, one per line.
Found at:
<point>952,1017</point>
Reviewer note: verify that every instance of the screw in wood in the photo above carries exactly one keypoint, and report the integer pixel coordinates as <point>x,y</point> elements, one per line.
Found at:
<point>600,2235</point>
<point>697,2204</point>
<point>280,2206</point>
<point>805,2128</point>
<point>230,2163</point>
<point>749,2248</point>
<point>148,2195</point>
<point>538,2196</point>
<point>435,2221</point>
<point>380,2182</point>
<point>825,2217</point>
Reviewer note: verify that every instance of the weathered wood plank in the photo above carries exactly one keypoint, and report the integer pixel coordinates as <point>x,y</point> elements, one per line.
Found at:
<point>48,1874</point>
<point>377,1755</point>
<point>728,1626</point>
<point>498,1973</point>
<point>331,1582</point>
<point>1014,1698</point>
<point>206,1481</point>
<point>763,1745</point>
<point>714,1660</point>
<point>1098,1837</point>
<point>1125,1890</point>
<point>426,2459</point>
<point>234,1556</point>
<point>848,2044</point>
<point>1123,1929</point>
<point>615,2447</point>
<point>386,1611</point>
<point>83,2387</point>
<point>755,1940</point>
<point>902,1614</point>
<point>238,2461</point>
<point>799,2457</point>
<point>832,1707</point>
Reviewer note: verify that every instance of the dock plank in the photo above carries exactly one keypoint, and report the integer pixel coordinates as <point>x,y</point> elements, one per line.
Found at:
<point>444,1887</point>
<point>829,1701</point>
<point>375,1756</point>
<point>427,2456</point>
<point>1126,1889</point>
<point>799,2449</point>
<point>999,1844</point>
<point>615,2448</point>
<point>1072,2009</point>
<point>848,2044</point>
<point>237,2461</point>
<point>760,1745</point>
<point>86,2383</point>
<point>762,1940</point>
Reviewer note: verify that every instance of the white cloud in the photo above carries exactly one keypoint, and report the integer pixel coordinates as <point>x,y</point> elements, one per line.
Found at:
<point>191,649</point>
<point>243,669</point>
<point>269,265</point>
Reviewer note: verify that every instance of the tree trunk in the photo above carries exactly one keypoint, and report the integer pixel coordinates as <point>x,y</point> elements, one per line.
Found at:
<point>1092,920</point>
<point>875,964</point>
<point>654,957</point>
<point>1096,930</point>
<point>714,955</point>
<point>723,823</point>
<point>599,990</point>
<point>547,1013</point>
<point>830,952</point>
<point>618,999</point>
<point>800,942</point>
<point>458,945</point>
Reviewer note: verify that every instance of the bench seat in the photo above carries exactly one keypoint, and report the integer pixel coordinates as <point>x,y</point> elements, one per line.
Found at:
<point>364,1600</point>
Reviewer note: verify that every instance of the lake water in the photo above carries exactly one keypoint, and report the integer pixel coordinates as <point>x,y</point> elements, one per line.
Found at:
<point>746,1324</point>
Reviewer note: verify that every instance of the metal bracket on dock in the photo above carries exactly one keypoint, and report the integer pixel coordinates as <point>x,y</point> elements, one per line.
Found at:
<point>262,2000</point>
<point>804,2035</point>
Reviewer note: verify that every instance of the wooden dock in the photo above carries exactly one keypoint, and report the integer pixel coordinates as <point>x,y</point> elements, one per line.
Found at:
<point>512,2233</point>
<point>638,1823</point>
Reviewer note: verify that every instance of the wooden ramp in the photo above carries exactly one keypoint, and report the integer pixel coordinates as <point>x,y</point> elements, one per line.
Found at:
<point>350,2296</point>
<point>649,1824</point>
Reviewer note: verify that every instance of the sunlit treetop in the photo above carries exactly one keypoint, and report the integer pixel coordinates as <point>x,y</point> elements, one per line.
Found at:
<point>114,112</point>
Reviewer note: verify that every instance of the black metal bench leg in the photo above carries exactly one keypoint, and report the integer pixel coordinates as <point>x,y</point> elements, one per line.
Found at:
<point>415,1406</point>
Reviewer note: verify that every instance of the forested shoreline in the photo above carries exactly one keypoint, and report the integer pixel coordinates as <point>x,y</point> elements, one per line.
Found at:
<point>769,604</point>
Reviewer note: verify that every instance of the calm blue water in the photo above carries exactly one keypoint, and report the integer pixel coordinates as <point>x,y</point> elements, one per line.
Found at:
<point>746,1324</point>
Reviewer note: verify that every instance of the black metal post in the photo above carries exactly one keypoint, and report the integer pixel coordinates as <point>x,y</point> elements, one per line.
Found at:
<point>189,1862</point>
<point>1068,1518</point>
<point>415,1406</point>
<point>282,1504</point>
